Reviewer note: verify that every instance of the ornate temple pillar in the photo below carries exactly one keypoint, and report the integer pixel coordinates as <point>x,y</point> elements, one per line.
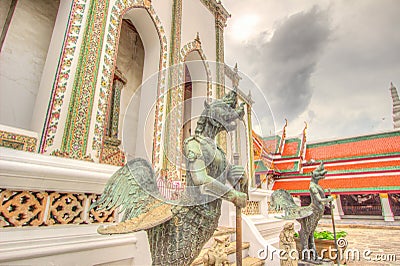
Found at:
<point>220,24</point>
<point>75,139</point>
<point>221,15</point>
<point>172,140</point>
<point>250,140</point>
<point>386,210</point>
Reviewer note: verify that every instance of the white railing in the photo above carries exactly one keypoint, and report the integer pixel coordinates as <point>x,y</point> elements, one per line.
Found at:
<point>63,232</point>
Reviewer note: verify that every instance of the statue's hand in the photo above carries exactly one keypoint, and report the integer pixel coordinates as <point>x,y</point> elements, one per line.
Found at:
<point>329,199</point>
<point>239,199</point>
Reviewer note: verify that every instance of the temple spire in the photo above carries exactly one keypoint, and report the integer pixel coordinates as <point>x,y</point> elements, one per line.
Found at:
<point>396,106</point>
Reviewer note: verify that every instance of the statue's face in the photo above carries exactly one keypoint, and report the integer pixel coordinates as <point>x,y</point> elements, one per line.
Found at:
<point>319,173</point>
<point>320,177</point>
<point>224,116</point>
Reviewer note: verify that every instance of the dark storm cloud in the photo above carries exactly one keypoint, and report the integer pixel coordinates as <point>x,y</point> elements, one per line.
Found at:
<point>336,80</point>
<point>284,64</point>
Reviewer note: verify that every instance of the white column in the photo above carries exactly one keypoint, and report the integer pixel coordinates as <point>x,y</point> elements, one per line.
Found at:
<point>337,209</point>
<point>386,210</point>
<point>264,206</point>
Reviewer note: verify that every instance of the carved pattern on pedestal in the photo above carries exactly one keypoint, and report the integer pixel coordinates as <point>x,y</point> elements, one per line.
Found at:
<point>100,216</point>
<point>22,208</point>
<point>252,208</point>
<point>43,208</point>
<point>66,208</point>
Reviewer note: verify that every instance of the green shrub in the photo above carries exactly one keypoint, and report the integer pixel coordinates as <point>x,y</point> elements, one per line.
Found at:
<point>326,235</point>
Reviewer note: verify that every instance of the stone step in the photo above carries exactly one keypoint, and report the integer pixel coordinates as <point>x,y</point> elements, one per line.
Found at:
<point>269,228</point>
<point>250,261</point>
<point>231,253</point>
<point>222,230</point>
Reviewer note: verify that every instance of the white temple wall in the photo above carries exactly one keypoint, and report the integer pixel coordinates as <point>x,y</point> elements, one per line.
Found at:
<point>148,96</point>
<point>163,10</point>
<point>198,75</point>
<point>130,62</point>
<point>50,72</point>
<point>22,59</point>
<point>197,18</point>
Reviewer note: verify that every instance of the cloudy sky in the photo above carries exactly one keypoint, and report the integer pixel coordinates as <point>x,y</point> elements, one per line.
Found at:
<point>327,62</point>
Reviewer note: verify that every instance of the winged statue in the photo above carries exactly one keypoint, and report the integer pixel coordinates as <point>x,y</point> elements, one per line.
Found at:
<point>307,216</point>
<point>178,230</point>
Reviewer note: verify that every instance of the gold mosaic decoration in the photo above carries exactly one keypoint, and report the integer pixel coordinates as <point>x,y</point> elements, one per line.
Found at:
<point>111,153</point>
<point>17,141</point>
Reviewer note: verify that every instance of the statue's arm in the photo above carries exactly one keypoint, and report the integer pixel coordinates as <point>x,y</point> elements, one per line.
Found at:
<point>318,196</point>
<point>207,184</point>
<point>236,173</point>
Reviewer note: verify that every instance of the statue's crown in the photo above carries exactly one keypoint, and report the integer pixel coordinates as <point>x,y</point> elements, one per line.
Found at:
<point>230,99</point>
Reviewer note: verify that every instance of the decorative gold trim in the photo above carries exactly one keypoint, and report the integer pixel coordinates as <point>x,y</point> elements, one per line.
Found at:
<point>383,195</point>
<point>17,141</point>
<point>217,9</point>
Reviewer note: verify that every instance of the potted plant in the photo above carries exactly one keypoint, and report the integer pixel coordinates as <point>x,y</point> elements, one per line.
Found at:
<point>324,240</point>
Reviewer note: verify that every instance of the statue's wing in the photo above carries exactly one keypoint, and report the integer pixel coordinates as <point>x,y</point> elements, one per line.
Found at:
<point>282,200</point>
<point>133,189</point>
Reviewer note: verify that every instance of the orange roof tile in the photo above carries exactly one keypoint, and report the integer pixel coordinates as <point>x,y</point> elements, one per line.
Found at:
<point>285,166</point>
<point>355,147</point>
<point>291,148</point>
<point>271,145</point>
<point>366,165</point>
<point>342,183</point>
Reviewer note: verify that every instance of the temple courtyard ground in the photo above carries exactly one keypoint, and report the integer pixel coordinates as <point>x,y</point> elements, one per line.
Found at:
<point>380,243</point>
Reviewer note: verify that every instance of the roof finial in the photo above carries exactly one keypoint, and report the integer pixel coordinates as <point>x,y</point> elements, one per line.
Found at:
<point>396,106</point>
<point>198,37</point>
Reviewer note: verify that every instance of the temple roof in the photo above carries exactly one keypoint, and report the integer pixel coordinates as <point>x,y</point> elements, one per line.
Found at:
<point>291,147</point>
<point>356,147</point>
<point>360,163</point>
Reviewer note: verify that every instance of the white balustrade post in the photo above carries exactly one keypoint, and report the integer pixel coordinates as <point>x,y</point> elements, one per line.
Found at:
<point>386,210</point>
